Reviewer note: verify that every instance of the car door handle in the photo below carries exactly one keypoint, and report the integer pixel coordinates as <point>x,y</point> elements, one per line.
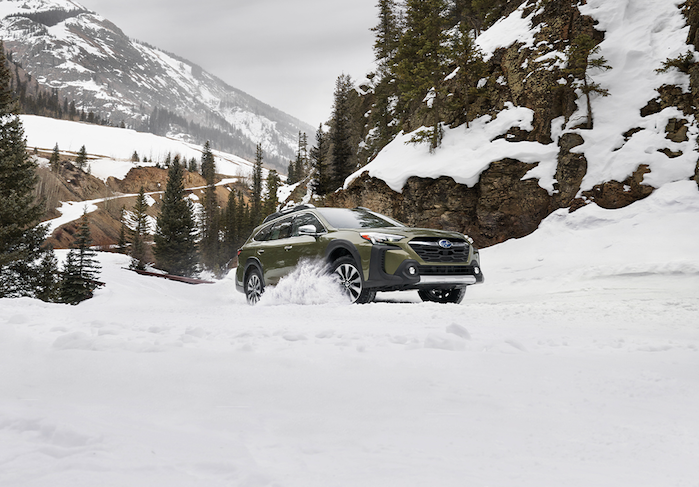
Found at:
<point>260,252</point>
<point>288,247</point>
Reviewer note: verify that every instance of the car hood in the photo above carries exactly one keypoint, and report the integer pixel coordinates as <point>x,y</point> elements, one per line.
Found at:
<point>410,232</point>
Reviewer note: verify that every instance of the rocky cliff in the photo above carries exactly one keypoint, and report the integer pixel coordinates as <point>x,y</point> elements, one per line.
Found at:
<point>505,204</point>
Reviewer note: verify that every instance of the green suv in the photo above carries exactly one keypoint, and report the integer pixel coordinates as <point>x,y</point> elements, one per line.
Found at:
<point>367,251</point>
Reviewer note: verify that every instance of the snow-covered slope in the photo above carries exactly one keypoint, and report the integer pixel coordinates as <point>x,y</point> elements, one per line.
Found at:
<point>90,60</point>
<point>638,37</point>
<point>573,365</point>
<point>113,147</point>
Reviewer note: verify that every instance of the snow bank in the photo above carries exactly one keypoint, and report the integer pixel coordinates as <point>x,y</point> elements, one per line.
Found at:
<point>465,152</point>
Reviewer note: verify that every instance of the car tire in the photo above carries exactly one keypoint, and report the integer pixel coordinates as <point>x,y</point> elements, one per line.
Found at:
<point>253,286</point>
<point>452,295</point>
<point>350,279</point>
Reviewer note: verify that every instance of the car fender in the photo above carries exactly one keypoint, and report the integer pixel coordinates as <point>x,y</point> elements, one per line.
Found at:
<point>253,262</point>
<point>342,245</point>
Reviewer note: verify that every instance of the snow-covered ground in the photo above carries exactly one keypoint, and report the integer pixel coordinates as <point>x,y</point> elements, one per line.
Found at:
<point>575,364</point>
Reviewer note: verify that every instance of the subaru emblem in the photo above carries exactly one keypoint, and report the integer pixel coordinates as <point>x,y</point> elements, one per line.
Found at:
<point>445,244</point>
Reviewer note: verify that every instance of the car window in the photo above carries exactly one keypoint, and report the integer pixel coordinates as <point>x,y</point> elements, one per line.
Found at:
<point>263,234</point>
<point>356,218</point>
<point>306,219</point>
<point>281,229</point>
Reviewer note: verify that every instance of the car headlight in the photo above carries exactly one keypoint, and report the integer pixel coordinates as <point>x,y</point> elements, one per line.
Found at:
<point>468,239</point>
<point>381,238</point>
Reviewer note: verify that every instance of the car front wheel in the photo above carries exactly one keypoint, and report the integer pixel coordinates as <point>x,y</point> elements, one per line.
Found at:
<point>253,286</point>
<point>453,295</point>
<point>351,282</point>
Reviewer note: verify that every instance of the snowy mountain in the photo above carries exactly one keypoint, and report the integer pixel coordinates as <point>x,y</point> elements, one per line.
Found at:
<point>88,59</point>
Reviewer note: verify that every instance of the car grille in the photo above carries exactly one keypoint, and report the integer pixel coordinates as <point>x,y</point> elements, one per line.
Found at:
<point>429,250</point>
<point>445,270</point>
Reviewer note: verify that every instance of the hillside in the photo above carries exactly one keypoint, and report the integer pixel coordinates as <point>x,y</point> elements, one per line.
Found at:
<point>524,142</point>
<point>88,60</point>
<point>111,179</point>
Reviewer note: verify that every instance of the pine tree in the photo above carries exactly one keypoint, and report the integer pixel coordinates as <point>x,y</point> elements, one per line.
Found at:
<point>139,231</point>
<point>81,268</point>
<point>272,200</point>
<point>81,158</point>
<point>301,162</point>
<point>210,243</point>
<point>387,34</point>
<point>135,157</point>
<point>421,64</point>
<point>55,159</point>
<point>321,183</point>
<point>122,242</point>
<point>21,235</point>
<point>579,64</point>
<point>175,235</point>
<point>48,285</point>
<point>230,228</point>
<point>291,173</point>
<point>342,160</point>
<point>256,212</point>
<point>470,67</point>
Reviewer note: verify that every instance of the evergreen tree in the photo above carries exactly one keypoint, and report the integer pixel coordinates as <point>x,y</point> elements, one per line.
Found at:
<point>301,163</point>
<point>321,182</point>
<point>81,158</point>
<point>135,157</point>
<point>21,235</point>
<point>122,242</point>
<point>81,268</point>
<point>210,243</point>
<point>175,235</point>
<point>342,160</point>
<point>48,285</point>
<point>139,231</point>
<point>387,34</point>
<point>421,64</point>
<point>470,67</point>
<point>256,212</point>
<point>272,199</point>
<point>230,228</point>
<point>579,64</point>
<point>291,173</point>
<point>193,165</point>
<point>55,159</point>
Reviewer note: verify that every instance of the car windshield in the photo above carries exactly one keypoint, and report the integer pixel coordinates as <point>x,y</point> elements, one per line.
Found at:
<point>356,218</point>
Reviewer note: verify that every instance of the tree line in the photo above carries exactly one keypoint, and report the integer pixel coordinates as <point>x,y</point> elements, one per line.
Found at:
<point>185,241</point>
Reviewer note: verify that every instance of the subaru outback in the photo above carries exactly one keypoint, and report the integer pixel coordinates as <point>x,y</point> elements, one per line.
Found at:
<point>366,251</point>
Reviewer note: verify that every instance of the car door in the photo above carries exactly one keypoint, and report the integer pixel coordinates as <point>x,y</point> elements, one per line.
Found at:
<point>271,251</point>
<point>303,247</point>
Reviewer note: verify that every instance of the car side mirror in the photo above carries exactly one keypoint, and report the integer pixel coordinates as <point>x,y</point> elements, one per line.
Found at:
<point>308,230</point>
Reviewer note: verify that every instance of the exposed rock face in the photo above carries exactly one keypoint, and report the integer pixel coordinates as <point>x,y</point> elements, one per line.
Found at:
<point>152,179</point>
<point>502,206</point>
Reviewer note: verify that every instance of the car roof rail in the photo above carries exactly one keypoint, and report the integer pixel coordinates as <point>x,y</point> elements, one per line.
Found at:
<point>286,211</point>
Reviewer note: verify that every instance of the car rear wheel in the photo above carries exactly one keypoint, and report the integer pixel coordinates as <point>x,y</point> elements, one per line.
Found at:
<point>350,279</point>
<point>253,286</point>
<point>452,295</point>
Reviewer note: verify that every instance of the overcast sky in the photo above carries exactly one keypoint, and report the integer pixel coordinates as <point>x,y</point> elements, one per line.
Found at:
<point>286,53</point>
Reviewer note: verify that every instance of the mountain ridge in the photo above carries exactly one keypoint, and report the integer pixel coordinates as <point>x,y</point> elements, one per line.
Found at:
<point>67,47</point>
